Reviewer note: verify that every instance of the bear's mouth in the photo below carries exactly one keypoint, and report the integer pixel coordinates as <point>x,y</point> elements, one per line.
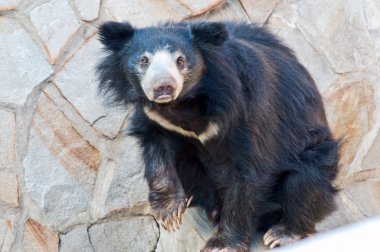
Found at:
<point>163,98</point>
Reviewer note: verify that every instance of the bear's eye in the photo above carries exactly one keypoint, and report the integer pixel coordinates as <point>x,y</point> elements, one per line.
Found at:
<point>181,61</point>
<point>144,61</point>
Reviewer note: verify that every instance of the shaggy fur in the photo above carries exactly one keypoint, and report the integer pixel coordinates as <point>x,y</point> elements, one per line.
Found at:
<point>271,160</point>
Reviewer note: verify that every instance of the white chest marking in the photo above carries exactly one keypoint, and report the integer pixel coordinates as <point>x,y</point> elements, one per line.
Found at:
<point>211,130</point>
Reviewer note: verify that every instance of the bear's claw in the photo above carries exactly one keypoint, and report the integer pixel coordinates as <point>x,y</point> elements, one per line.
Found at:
<point>172,222</point>
<point>278,236</point>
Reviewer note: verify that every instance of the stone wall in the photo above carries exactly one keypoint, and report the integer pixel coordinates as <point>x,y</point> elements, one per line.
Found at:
<point>71,181</point>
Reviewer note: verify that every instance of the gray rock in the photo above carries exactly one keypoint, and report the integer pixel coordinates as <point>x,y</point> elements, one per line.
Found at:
<point>281,24</point>
<point>339,33</point>
<point>78,77</point>
<point>7,139</point>
<point>9,188</point>
<point>53,189</point>
<point>55,23</point>
<point>259,10</point>
<point>129,187</point>
<point>60,166</point>
<point>6,5</point>
<point>7,233</point>
<point>76,240</point>
<point>231,11</point>
<point>131,11</point>
<point>125,235</point>
<point>192,8</point>
<point>25,65</point>
<point>88,9</point>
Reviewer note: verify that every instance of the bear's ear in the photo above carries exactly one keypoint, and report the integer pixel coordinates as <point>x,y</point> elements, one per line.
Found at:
<point>209,32</point>
<point>113,35</point>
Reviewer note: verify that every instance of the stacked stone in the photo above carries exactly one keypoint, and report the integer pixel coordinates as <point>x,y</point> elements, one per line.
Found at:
<point>70,180</point>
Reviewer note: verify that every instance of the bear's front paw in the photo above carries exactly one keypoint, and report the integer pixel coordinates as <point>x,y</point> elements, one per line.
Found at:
<point>168,210</point>
<point>278,236</point>
<point>216,244</point>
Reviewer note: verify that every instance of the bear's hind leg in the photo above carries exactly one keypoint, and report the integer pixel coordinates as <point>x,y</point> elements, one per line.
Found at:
<point>305,191</point>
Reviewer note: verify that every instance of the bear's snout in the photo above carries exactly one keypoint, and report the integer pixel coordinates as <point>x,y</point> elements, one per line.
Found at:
<point>164,90</point>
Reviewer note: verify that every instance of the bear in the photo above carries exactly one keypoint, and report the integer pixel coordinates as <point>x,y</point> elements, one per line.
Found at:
<point>229,121</point>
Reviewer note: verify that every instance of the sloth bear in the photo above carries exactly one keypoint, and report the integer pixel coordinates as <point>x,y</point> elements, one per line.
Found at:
<point>228,120</point>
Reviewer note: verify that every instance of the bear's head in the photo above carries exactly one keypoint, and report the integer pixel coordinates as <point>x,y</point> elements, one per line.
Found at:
<point>160,64</point>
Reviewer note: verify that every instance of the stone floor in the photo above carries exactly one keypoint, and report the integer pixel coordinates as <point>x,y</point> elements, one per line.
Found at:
<point>71,181</point>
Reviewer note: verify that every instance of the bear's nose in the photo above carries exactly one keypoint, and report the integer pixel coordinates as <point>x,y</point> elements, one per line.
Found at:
<point>164,90</point>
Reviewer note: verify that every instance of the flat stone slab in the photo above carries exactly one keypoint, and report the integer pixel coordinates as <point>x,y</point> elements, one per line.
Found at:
<point>128,188</point>
<point>9,188</point>
<point>6,5</point>
<point>88,9</point>
<point>39,238</point>
<point>7,233</point>
<point>78,77</point>
<point>60,167</point>
<point>76,240</point>
<point>131,11</point>
<point>339,33</point>
<point>7,139</point>
<point>259,10</point>
<point>55,23</point>
<point>25,67</point>
<point>139,234</point>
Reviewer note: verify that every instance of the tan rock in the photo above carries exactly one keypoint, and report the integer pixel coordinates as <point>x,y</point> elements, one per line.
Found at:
<point>259,10</point>
<point>7,234</point>
<point>60,166</point>
<point>337,29</point>
<point>9,188</point>
<point>318,66</point>
<point>231,11</point>
<point>63,141</point>
<point>55,23</point>
<point>38,238</point>
<point>138,234</point>
<point>7,139</point>
<point>25,67</point>
<point>191,8</point>
<point>366,195</point>
<point>131,11</point>
<point>88,9</point>
<point>6,5</point>
<point>371,160</point>
<point>78,77</point>
<point>350,112</point>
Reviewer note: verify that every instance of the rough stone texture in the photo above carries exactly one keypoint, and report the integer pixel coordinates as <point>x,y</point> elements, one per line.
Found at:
<point>55,23</point>
<point>131,11</point>
<point>128,187</point>
<point>67,169</point>
<point>371,161</point>
<point>191,8</point>
<point>39,238</point>
<point>260,10</point>
<point>350,112</point>
<point>75,240</point>
<point>125,235</point>
<point>7,139</point>
<point>78,75</point>
<point>322,74</point>
<point>9,188</point>
<point>339,33</point>
<point>25,65</point>
<point>60,167</point>
<point>6,5</point>
<point>7,234</point>
<point>231,11</point>
<point>88,9</point>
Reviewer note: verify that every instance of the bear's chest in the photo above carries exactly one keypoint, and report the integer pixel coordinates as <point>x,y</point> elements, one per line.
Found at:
<point>185,121</point>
